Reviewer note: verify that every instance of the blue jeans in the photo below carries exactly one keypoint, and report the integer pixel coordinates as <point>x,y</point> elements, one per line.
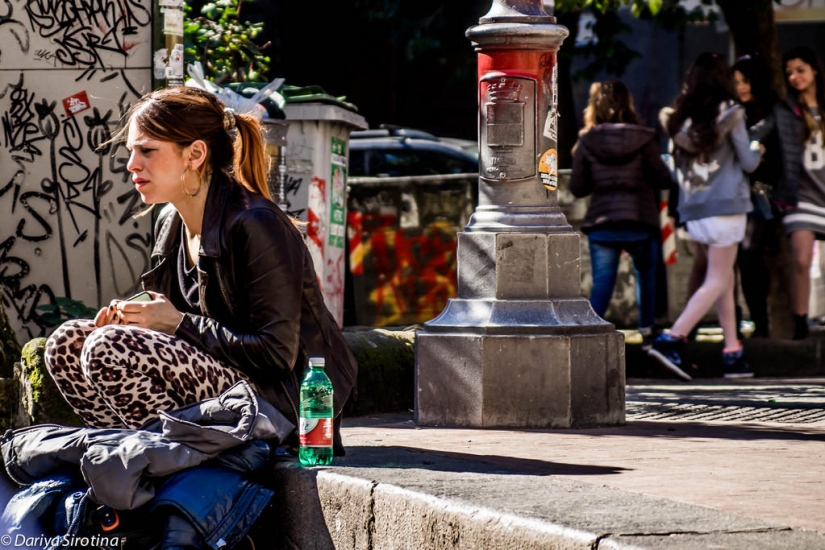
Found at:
<point>604,261</point>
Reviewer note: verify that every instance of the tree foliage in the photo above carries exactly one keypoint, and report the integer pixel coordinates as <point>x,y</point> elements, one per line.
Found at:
<point>751,25</point>
<point>608,52</point>
<point>224,44</point>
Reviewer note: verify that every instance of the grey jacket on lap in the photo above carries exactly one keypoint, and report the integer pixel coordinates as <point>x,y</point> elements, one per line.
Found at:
<point>120,464</point>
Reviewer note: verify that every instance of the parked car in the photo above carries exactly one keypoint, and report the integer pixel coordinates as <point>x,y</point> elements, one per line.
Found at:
<point>392,151</point>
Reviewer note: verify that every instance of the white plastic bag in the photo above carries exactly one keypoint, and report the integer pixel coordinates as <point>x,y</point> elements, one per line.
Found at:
<point>230,98</point>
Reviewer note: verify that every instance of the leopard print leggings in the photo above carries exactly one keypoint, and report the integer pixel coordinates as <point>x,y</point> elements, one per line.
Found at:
<point>116,376</point>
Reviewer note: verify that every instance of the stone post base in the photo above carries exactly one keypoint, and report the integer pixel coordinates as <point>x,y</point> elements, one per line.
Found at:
<point>520,380</point>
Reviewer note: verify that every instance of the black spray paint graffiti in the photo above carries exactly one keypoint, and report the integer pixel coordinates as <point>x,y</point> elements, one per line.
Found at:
<point>82,31</point>
<point>11,27</point>
<point>292,186</point>
<point>74,203</point>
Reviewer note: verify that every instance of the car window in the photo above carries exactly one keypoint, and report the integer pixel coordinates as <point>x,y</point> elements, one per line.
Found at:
<point>417,162</point>
<point>356,163</point>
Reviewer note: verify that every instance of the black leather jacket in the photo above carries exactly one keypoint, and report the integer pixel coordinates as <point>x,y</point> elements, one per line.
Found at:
<point>786,120</point>
<point>262,311</point>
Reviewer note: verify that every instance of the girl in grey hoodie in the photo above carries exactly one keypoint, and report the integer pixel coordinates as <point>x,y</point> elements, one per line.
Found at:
<point>713,154</point>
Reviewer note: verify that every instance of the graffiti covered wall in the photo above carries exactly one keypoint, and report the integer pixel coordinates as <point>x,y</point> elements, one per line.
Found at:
<point>68,71</point>
<point>402,246</point>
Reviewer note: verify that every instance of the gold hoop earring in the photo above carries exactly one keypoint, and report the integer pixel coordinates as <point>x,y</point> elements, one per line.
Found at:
<point>183,185</point>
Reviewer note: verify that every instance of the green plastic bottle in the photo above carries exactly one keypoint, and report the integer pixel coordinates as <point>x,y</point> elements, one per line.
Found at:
<point>315,429</point>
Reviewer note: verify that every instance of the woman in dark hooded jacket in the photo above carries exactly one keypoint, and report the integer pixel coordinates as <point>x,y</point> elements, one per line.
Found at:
<point>616,162</point>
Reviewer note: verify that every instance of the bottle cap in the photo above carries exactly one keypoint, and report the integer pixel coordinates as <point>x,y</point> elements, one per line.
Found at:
<point>316,361</point>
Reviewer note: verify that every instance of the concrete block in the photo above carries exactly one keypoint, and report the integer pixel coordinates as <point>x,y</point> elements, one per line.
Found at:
<point>563,265</point>
<point>537,266</point>
<point>448,380</point>
<point>526,381</point>
<point>386,360</point>
<point>476,255</point>
<point>40,401</point>
<point>407,519</point>
<point>347,506</point>
<point>521,266</point>
<point>520,380</point>
<point>597,393</point>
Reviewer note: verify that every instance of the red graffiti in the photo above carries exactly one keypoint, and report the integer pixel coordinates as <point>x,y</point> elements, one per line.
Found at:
<point>405,276</point>
<point>315,210</point>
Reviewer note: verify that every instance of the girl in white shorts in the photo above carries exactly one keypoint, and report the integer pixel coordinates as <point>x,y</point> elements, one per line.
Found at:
<point>718,230</point>
<point>712,153</point>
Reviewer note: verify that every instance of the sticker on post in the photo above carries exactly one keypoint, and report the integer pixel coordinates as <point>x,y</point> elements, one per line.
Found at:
<point>76,103</point>
<point>551,125</point>
<point>173,22</point>
<point>159,63</point>
<point>549,169</point>
<point>175,68</point>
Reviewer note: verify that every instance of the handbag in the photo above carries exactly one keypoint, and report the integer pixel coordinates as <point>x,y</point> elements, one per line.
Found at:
<point>760,196</point>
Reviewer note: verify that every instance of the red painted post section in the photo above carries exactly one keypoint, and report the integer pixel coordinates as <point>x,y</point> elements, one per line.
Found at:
<point>517,44</point>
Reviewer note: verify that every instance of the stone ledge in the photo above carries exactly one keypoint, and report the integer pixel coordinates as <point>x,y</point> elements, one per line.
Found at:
<point>386,365</point>
<point>389,497</point>
<point>386,358</point>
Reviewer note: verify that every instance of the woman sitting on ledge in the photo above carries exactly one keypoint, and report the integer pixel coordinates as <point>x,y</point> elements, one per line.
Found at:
<point>233,294</point>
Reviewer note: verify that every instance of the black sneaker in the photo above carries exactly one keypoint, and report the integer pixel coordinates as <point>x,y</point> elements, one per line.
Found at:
<point>734,364</point>
<point>667,350</point>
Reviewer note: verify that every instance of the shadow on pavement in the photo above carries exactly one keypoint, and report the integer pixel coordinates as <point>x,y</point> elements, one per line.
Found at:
<point>445,461</point>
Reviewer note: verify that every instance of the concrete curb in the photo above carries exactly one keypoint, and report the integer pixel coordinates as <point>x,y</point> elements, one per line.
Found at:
<point>396,498</point>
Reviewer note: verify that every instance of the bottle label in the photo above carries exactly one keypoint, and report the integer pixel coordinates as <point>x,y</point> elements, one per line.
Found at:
<point>315,432</point>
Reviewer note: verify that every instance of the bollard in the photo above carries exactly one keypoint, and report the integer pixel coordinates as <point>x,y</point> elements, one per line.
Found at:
<point>519,346</point>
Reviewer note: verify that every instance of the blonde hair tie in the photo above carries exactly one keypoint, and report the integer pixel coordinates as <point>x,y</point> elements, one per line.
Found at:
<point>228,119</point>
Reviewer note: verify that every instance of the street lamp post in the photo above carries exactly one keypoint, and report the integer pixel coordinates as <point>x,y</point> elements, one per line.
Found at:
<point>519,346</point>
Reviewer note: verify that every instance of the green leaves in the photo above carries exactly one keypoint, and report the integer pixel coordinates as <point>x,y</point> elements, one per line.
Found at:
<point>638,7</point>
<point>607,52</point>
<point>223,44</point>
<point>64,309</point>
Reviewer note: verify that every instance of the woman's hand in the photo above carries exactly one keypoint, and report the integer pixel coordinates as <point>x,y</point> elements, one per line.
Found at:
<point>158,314</point>
<point>106,316</point>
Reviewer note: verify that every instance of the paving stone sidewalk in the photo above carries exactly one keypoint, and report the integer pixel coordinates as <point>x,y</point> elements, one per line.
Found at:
<point>751,450</point>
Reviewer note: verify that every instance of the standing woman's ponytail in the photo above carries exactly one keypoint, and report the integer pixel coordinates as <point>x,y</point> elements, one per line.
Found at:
<point>250,162</point>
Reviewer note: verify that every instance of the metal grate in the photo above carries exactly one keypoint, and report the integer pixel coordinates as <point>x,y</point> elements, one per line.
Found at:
<point>649,410</point>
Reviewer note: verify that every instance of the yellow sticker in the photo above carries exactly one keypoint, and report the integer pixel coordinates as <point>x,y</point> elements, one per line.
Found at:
<point>549,169</point>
